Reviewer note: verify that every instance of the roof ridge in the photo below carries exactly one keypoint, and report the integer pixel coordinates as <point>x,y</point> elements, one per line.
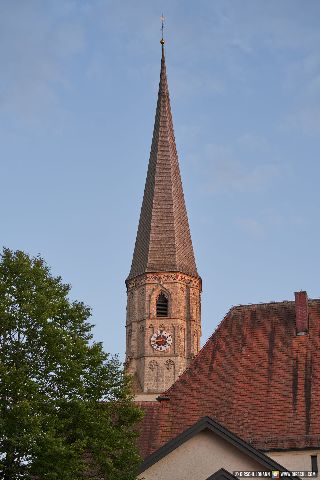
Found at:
<point>271,302</point>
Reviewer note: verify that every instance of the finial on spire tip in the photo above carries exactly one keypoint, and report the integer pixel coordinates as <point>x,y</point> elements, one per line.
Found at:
<point>162,27</point>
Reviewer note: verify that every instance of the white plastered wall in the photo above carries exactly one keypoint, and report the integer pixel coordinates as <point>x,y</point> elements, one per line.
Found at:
<point>295,460</point>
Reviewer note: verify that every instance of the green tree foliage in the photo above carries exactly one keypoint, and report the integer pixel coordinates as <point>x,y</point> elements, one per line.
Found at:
<point>65,407</point>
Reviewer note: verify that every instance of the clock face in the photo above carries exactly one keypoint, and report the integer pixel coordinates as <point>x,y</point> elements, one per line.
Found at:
<point>161,340</point>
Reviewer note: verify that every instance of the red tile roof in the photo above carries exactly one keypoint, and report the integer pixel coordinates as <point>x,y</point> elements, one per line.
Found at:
<point>255,376</point>
<point>148,440</point>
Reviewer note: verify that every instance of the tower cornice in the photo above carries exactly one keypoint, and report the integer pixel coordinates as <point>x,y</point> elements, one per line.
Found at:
<point>164,277</point>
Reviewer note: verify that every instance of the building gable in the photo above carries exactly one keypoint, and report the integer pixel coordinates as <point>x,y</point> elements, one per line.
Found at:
<point>204,448</point>
<point>222,474</point>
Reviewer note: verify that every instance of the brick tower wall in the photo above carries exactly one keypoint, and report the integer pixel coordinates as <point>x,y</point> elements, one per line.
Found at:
<point>155,371</point>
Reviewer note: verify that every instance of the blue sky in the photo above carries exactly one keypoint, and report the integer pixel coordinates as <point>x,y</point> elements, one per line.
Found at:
<point>78,90</point>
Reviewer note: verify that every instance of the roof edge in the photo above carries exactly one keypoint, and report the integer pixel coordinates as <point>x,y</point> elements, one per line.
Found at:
<point>207,423</point>
<point>222,473</point>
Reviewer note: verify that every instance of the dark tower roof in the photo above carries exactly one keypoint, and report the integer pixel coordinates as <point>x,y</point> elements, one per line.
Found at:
<point>163,242</point>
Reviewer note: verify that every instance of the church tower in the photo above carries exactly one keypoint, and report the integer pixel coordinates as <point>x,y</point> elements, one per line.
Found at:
<point>163,324</point>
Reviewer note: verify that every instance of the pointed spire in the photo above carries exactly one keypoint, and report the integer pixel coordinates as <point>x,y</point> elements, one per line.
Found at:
<point>163,242</point>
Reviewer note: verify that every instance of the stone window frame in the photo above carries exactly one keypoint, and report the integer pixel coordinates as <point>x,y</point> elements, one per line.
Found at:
<point>153,302</point>
<point>162,294</point>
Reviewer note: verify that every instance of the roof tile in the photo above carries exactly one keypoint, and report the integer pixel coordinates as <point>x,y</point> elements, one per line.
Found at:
<point>163,242</point>
<point>255,377</point>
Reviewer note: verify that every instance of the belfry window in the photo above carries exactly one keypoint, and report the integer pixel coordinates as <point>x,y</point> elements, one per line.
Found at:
<point>162,306</point>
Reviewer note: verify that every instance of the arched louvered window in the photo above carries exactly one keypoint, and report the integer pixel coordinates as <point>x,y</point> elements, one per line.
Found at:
<point>162,305</point>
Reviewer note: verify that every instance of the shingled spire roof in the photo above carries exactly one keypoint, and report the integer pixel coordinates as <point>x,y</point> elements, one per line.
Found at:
<point>163,242</point>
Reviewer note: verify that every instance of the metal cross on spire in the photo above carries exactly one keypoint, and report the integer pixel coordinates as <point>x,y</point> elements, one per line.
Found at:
<point>162,27</point>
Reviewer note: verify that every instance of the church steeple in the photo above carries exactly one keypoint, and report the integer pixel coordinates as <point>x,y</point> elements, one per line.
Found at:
<point>163,242</point>
<point>163,287</point>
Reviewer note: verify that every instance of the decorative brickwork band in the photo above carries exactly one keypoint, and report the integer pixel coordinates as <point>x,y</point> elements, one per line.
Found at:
<point>161,278</point>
